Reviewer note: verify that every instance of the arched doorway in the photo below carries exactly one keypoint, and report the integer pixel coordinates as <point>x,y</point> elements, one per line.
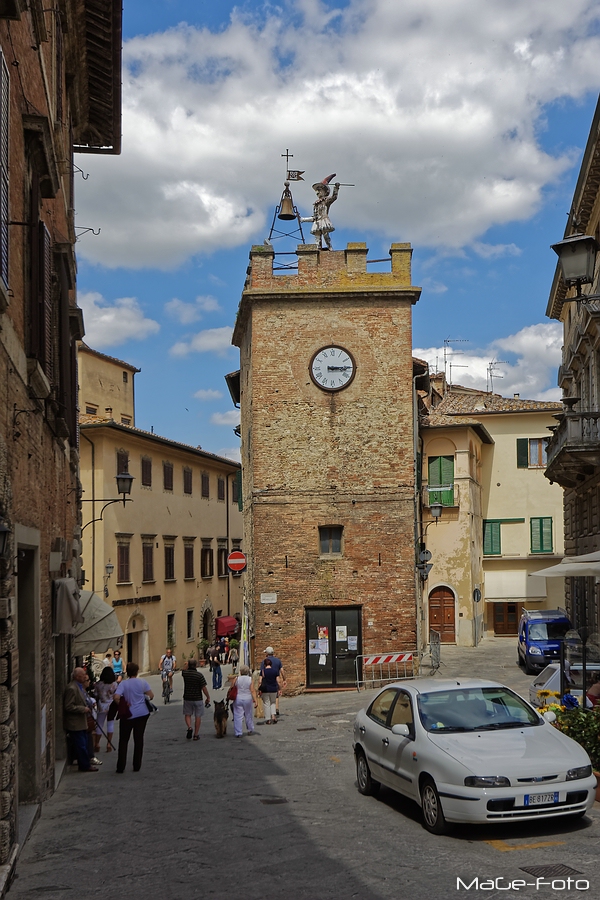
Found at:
<point>207,625</point>
<point>442,615</point>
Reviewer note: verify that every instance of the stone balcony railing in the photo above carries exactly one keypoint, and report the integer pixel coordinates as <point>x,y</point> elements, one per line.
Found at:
<point>573,451</point>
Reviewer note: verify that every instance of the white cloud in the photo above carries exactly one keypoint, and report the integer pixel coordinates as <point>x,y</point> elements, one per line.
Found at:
<point>432,109</point>
<point>536,352</point>
<point>208,394</point>
<point>186,313</point>
<point>494,251</point>
<point>231,417</point>
<point>211,340</point>
<point>110,324</point>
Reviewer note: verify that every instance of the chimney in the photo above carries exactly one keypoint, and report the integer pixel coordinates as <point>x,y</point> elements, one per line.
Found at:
<point>516,396</point>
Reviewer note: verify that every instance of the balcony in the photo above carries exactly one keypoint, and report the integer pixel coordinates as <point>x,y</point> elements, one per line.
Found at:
<point>573,451</point>
<point>446,494</point>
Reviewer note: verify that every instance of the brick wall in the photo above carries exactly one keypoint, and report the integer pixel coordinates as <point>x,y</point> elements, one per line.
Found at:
<point>313,458</point>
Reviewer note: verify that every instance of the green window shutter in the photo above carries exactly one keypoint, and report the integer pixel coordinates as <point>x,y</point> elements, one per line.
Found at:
<point>238,479</point>
<point>522,453</point>
<point>491,538</point>
<point>441,473</point>
<point>541,534</point>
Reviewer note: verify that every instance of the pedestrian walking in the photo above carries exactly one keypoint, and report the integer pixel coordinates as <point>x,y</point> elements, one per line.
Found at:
<point>278,669</point>
<point>117,665</point>
<point>104,690</point>
<point>217,674</point>
<point>134,691</point>
<point>245,702</point>
<point>195,690</point>
<point>269,689</point>
<point>234,658</point>
<point>75,719</point>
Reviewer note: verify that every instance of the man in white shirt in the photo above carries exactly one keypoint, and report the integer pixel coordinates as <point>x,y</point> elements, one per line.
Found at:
<point>168,664</point>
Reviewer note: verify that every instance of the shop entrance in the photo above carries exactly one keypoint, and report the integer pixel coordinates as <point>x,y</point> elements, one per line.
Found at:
<point>333,641</point>
<point>506,618</point>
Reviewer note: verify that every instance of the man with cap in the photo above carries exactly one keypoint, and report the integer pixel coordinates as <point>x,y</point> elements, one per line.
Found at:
<point>277,668</point>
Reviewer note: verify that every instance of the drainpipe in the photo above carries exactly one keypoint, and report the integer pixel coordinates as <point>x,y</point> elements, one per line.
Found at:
<point>418,516</point>
<point>84,435</point>
<point>227,534</point>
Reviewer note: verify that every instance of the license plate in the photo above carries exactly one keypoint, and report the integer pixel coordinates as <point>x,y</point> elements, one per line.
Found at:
<point>540,799</point>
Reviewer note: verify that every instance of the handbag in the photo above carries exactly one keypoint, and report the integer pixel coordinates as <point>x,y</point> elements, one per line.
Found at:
<point>152,708</point>
<point>232,692</point>
<point>123,711</point>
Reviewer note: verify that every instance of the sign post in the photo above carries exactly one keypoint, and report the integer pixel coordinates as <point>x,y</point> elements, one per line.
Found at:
<point>236,561</point>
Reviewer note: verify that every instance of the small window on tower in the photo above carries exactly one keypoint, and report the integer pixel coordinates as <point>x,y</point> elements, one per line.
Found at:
<point>330,540</point>
<point>125,378</point>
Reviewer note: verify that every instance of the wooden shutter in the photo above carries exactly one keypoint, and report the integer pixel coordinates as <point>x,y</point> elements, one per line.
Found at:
<point>169,562</point>
<point>187,480</point>
<point>236,490</point>
<point>122,462</point>
<point>123,563</point>
<point>205,485</point>
<point>148,562</point>
<point>221,489</point>
<point>146,471</point>
<point>188,561</point>
<point>167,476</point>
<point>45,288</point>
<point>491,538</point>
<point>541,534</point>
<point>522,453</point>
<point>441,473</point>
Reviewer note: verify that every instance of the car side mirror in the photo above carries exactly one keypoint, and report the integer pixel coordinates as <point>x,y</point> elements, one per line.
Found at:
<point>549,716</point>
<point>401,730</point>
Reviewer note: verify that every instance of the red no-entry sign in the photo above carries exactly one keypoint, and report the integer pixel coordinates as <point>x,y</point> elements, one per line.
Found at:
<point>236,561</point>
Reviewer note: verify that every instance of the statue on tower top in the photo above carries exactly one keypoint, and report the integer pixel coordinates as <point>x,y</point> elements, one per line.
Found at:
<point>322,226</point>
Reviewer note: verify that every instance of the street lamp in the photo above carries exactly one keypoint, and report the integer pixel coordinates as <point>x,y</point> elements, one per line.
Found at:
<point>577,258</point>
<point>109,569</point>
<point>124,481</point>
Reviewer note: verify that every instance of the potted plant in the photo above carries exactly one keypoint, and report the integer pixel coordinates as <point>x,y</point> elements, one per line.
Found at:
<point>581,725</point>
<point>202,647</point>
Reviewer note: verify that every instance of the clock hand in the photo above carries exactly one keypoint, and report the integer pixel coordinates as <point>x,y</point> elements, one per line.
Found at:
<point>338,368</point>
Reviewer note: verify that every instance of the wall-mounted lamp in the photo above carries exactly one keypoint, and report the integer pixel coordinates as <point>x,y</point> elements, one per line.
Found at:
<point>577,259</point>
<point>124,481</point>
<point>436,510</point>
<point>5,533</point>
<point>109,569</point>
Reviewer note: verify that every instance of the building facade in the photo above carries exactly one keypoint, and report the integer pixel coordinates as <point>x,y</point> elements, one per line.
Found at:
<point>160,558</point>
<point>328,450</point>
<point>59,93</point>
<point>483,459</point>
<point>574,449</point>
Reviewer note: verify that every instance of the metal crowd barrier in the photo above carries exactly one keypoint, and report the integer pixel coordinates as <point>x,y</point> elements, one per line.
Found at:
<point>373,670</point>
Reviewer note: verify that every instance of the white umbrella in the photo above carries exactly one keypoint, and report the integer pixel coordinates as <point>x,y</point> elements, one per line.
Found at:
<point>568,569</point>
<point>100,629</point>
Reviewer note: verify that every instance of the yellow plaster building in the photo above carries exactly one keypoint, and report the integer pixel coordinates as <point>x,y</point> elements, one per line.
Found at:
<point>483,459</point>
<point>161,560</point>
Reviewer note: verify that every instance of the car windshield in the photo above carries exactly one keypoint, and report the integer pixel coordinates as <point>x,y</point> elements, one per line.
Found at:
<point>474,709</point>
<point>547,631</point>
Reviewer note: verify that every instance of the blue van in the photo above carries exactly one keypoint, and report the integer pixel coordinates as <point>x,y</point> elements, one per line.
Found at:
<point>540,634</point>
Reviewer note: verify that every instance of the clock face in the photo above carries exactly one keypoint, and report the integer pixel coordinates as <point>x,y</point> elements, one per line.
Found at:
<point>332,368</point>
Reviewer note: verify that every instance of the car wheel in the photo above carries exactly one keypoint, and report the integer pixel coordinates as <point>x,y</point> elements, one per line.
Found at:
<point>366,785</point>
<point>431,808</point>
<point>529,669</point>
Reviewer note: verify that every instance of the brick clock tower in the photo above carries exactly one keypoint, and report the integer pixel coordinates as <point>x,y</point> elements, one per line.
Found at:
<point>328,455</point>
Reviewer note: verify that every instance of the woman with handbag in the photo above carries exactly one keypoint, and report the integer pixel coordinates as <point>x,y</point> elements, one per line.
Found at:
<point>244,702</point>
<point>133,716</point>
<point>104,690</point>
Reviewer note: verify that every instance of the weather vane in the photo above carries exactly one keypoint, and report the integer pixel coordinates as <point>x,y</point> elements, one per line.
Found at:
<point>286,211</point>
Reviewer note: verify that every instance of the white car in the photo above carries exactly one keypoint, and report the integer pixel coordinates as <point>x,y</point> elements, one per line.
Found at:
<point>470,751</point>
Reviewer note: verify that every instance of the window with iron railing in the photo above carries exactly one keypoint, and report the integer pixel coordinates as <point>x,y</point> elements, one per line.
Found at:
<point>440,480</point>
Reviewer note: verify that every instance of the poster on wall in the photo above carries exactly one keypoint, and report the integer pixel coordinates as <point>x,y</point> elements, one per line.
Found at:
<point>317,647</point>
<point>323,632</point>
<point>352,642</point>
<point>341,632</point>
<point>323,660</point>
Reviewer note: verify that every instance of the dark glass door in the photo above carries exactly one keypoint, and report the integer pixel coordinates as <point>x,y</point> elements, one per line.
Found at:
<point>333,641</point>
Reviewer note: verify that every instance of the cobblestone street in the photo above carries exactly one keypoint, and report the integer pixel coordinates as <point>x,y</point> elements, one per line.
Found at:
<point>275,815</point>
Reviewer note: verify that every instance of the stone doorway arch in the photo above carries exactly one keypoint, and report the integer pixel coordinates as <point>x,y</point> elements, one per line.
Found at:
<point>136,641</point>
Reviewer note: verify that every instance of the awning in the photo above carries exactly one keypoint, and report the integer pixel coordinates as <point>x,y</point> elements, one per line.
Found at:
<point>100,629</point>
<point>503,585</point>
<point>67,609</point>
<point>567,569</point>
<point>226,626</point>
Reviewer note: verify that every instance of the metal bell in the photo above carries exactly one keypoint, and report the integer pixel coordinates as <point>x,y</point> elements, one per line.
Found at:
<point>286,206</point>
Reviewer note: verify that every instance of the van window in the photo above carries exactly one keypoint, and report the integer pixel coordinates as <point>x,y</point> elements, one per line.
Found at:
<point>547,631</point>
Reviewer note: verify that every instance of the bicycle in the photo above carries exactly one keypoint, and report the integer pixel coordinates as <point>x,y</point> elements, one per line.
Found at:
<point>166,687</point>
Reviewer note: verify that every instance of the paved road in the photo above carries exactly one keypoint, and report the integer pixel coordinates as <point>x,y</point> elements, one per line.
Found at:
<point>276,816</point>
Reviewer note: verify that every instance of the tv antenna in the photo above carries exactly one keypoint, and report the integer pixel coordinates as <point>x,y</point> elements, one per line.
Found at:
<point>491,372</point>
<point>447,342</point>
<point>451,366</point>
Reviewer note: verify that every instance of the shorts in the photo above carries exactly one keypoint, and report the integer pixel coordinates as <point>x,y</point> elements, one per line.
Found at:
<point>193,708</point>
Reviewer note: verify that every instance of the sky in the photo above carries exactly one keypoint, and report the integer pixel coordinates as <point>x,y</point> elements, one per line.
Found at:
<point>460,124</point>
